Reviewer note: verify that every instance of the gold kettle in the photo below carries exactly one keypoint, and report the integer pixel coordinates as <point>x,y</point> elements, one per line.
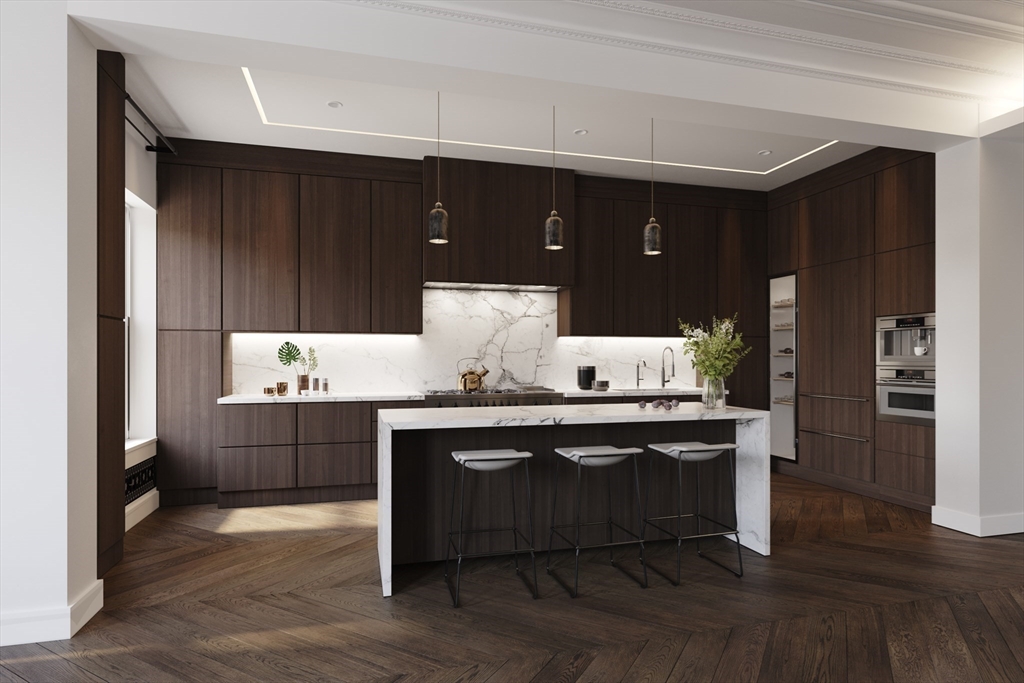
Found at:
<point>470,379</point>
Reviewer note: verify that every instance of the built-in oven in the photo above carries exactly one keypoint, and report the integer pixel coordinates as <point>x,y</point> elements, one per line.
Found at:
<point>905,341</point>
<point>905,395</point>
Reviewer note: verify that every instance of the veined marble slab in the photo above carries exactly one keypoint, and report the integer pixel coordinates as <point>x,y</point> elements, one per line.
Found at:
<point>329,398</point>
<point>753,456</point>
<point>653,392</point>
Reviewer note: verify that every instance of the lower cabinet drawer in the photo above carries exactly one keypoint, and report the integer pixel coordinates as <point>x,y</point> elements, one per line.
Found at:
<point>845,456</point>
<point>897,437</point>
<point>842,415</point>
<point>905,472</point>
<point>255,469</point>
<point>335,464</point>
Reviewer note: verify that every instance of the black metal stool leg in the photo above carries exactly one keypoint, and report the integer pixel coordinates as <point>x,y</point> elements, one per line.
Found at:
<point>679,522</point>
<point>735,511</point>
<point>697,479</point>
<point>515,519</point>
<point>554,508</point>
<point>529,518</point>
<point>576,580</point>
<point>639,517</point>
<point>462,517</point>
<point>451,526</point>
<point>611,550</point>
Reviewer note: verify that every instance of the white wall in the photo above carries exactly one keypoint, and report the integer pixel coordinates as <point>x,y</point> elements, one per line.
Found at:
<point>142,337</point>
<point>979,470</point>
<point>48,585</point>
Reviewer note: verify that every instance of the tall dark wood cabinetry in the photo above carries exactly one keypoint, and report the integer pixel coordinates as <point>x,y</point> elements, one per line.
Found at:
<point>261,244</point>
<point>397,267</point>
<point>837,224</point>
<point>784,239</point>
<point>334,254</point>
<point>905,204</point>
<point>585,309</point>
<point>691,248</point>
<point>110,309</point>
<point>641,282</point>
<point>743,270</point>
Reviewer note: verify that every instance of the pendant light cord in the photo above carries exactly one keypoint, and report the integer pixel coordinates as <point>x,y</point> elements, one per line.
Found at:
<point>439,147</point>
<point>652,167</point>
<point>553,203</point>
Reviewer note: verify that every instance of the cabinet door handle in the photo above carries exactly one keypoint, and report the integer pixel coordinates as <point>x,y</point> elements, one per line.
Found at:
<point>837,398</point>
<point>837,436</point>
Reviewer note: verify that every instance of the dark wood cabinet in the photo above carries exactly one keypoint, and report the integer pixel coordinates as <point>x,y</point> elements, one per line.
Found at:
<point>852,346</point>
<point>585,308</point>
<point>256,425</point>
<point>188,382</point>
<point>783,239</point>
<point>597,398</point>
<point>333,422</point>
<point>743,269</point>
<point>905,281</point>
<point>691,247</point>
<point>896,437</point>
<point>640,293</point>
<point>905,473</point>
<point>837,224</point>
<point>397,258</point>
<point>814,331</point>
<point>110,433</point>
<point>110,219</point>
<point>334,254</point>
<point>496,215</point>
<point>254,469</point>
<point>188,247</point>
<point>846,416</point>
<point>843,456</point>
<point>335,464</point>
<point>261,243</point>
<point>905,204</point>
<point>748,385</point>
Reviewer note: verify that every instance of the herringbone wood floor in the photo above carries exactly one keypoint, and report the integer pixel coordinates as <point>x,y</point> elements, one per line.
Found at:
<point>855,590</point>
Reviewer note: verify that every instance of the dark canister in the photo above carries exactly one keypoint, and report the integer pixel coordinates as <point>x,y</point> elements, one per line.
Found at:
<point>585,376</point>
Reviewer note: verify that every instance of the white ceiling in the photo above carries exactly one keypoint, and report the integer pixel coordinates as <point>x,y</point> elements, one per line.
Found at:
<point>723,80</point>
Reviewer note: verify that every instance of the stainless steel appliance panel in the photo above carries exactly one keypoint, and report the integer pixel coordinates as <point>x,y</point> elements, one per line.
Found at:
<point>898,336</point>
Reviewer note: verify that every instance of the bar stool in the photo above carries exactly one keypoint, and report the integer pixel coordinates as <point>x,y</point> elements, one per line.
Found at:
<point>595,456</point>
<point>695,452</point>
<point>489,461</point>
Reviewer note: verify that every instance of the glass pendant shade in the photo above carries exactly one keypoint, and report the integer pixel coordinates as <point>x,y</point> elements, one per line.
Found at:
<point>553,232</point>
<point>437,225</point>
<point>652,239</point>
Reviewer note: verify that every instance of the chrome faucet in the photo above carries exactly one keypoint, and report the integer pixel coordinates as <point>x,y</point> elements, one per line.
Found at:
<point>639,371</point>
<point>664,376</point>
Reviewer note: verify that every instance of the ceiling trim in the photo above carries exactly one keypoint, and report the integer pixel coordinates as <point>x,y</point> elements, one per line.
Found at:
<point>662,48</point>
<point>546,152</point>
<point>934,18</point>
<point>793,35</point>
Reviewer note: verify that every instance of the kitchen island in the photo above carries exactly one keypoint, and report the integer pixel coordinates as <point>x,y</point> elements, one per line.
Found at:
<point>414,467</point>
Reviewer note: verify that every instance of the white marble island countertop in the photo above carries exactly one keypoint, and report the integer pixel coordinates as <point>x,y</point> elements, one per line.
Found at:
<point>752,455</point>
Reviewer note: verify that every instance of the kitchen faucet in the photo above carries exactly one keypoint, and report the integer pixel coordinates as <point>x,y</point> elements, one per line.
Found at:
<point>664,377</point>
<point>639,371</point>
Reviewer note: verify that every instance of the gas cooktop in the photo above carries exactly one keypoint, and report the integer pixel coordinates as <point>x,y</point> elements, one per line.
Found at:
<point>491,392</point>
<point>520,396</point>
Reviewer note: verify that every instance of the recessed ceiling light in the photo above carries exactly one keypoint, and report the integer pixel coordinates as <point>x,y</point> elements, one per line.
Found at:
<point>335,104</point>
<point>580,131</point>
<point>764,152</point>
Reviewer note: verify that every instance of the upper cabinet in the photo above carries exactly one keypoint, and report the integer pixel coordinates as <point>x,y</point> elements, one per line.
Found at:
<point>334,254</point>
<point>691,247</point>
<point>905,204</point>
<point>905,281</point>
<point>585,308</point>
<point>261,245</point>
<point>110,229</point>
<point>784,239</point>
<point>837,224</point>
<point>496,215</point>
<point>397,268</point>
<point>640,282</point>
<point>188,247</point>
<point>743,270</point>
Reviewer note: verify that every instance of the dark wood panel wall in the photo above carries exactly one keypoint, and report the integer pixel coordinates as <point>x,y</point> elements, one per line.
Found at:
<point>860,236</point>
<point>110,309</point>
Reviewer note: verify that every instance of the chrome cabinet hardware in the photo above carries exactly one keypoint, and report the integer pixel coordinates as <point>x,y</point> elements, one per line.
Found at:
<point>837,398</point>
<point>838,436</point>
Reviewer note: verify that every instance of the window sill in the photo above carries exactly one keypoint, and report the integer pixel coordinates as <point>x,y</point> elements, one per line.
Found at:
<point>137,450</point>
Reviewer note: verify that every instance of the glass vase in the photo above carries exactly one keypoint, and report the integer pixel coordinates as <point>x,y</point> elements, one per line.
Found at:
<point>714,394</point>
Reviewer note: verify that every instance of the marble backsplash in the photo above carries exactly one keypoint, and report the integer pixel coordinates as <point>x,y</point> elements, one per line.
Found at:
<point>514,334</point>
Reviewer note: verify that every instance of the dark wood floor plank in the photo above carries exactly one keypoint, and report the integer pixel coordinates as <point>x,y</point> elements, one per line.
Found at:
<point>520,668</point>
<point>925,643</point>
<point>8,676</point>
<point>784,526</point>
<point>875,517</point>
<point>700,658</point>
<point>809,525</point>
<point>1008,616</point>
<point>832,517</point>
<point>744,652</point>
<point>806,649</point>
<point>657,660</point>
<point>565,667</point>
<point>990,650</point>
<point>36,663</point>
<point>611,662</point>
<point>854,521</point>
<point>867,651</point>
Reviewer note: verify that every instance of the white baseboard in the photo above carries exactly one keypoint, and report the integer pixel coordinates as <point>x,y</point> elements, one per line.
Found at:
<point>977,525</point>
<point>140,508</point>
<point>58,623</point>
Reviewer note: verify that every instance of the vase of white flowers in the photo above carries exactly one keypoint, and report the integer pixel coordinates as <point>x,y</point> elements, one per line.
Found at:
<point>716,352</point>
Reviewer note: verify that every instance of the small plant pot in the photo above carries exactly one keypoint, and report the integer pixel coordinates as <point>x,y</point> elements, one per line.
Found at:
<point>303,381</point>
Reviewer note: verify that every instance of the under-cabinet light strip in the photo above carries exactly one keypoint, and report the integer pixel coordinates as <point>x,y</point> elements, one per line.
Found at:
<point>263,118</point>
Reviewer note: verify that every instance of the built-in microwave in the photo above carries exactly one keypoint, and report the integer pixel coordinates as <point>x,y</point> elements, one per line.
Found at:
<point>903,341</point>
<point>905,395</point>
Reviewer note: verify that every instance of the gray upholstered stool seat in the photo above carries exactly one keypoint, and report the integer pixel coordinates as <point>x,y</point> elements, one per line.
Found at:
<point>694,452</point>
<point>489,461</point>
<point>595,456</point>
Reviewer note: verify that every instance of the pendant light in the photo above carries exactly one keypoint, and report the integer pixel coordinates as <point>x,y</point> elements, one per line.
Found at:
<point>652,231</point>
<point>437,221</point>
<point>553,226</point>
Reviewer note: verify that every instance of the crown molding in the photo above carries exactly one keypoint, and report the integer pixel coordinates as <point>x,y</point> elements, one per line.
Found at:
<point>661,48</point>
<point>928,17</point>
<point>792,35</point>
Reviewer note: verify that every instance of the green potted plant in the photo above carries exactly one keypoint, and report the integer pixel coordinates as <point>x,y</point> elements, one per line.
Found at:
<point>716,352</point>
<point>290,356</point>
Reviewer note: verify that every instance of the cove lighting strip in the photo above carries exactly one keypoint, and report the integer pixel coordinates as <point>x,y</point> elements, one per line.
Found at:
<point>266,122</point>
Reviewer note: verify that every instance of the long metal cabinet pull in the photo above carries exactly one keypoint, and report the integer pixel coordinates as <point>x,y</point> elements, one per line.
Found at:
<point>838,436</point>
<point>837,398</point>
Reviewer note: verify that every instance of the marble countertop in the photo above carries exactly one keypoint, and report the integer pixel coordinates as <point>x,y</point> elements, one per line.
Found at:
<point>642,391</point>
<point>527,416</point>
<point>330,398</point>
